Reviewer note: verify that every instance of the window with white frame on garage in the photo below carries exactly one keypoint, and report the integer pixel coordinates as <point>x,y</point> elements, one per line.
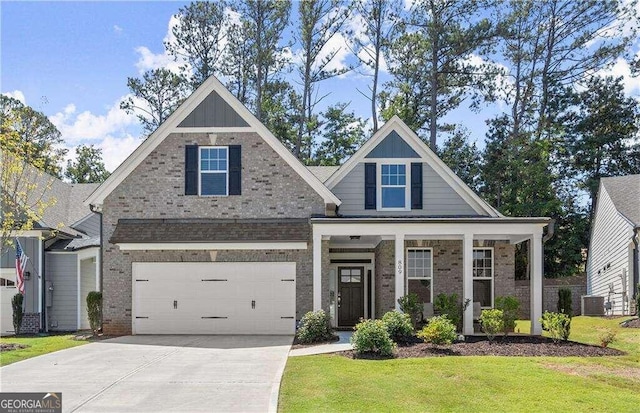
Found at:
<point>420,273</point>
<point>214,170</point>
<point>483,276</point>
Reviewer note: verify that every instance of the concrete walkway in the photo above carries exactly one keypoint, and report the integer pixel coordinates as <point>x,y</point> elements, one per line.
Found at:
<point>159,373</point>
<point>342,345</point>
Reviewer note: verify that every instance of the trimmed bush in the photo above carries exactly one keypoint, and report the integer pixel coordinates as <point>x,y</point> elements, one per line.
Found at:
<point>18,313</point>
<point>398,324</point>
<point>448,306</point>
<point>411,304</point>
<point>509,306</point>
<point>94,310</point>
<point>606,337</point>
<point>315,326</point>
<point>371,336</point>
<point>564,302</point>
<point>440,330</point>
<point>492,322</point>
<point>557,324</point>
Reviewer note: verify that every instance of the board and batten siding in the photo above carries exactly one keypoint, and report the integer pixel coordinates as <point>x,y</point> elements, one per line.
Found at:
<point>438,198</point>
<point>609,253</point>
<point>62,272</point>
<point>89,225</point>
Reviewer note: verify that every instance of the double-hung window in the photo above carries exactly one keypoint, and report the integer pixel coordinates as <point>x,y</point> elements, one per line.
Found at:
<point>214,170</point>
<point>393,186</point>
<point>420,273</point>
<point>483,276</point>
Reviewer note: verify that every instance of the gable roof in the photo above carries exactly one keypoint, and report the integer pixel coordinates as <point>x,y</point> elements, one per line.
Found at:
<point>323,172</point>
<point>211,87</point>
<point>624,192</point>
<point>395,126</point>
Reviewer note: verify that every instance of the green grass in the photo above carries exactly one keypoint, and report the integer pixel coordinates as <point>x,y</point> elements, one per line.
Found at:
<point>37,347</point>
<point>335,383</point>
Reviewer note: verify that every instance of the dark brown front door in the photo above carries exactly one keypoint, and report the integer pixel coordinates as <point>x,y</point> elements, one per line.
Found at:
<point>351,295</point>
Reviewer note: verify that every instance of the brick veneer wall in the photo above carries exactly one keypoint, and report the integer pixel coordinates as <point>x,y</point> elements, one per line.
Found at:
<point>155,189</point>
<point>30,323</point>
<point>447,269</point>
<point>549,297</point>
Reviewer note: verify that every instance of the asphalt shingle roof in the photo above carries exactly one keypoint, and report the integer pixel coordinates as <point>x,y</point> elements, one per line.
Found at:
<point>624,192</point>
<point>322,172</point>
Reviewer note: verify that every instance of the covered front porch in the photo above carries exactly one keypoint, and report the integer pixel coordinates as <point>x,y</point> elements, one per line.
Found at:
<point>361,266</point>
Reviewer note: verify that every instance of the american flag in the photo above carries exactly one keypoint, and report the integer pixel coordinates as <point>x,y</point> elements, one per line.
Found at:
<point>21,264</point>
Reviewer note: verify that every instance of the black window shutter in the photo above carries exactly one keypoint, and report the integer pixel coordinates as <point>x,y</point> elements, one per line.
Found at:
<point>369,186</point>
<point>191,170</point>
<point>235,170</point>
<point>416,185</point>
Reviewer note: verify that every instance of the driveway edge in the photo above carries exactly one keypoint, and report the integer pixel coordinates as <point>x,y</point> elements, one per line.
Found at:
<point>275,387</point>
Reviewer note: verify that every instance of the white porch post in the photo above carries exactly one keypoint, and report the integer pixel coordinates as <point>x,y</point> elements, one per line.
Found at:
<point>317,270</point>
<point>467,284</point>
<point>399,264</point>
<point>535,257</point>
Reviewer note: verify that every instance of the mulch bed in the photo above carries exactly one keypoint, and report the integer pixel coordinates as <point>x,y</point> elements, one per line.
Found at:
<point>297,344</point>
<point>11,346</point>
<point>510,346</point>
<point>633,323</point>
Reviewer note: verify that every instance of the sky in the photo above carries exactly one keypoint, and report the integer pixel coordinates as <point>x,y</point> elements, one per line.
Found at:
<point>71,60</point>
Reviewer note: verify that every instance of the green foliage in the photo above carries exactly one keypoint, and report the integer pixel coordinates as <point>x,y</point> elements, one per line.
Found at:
<point>398,324</point>
<point>88,167</point>
<point>564,301</point>
<point>411,305</point>
<point>371,336</point>
<point>557,324</point>
<point>638,300</point>
<point>606,337</point>
<point>463,157</point>
<point>94,310</point>
<point>343,135</point>
<point>509,306</point>
<point>315,326</point>
<point>450,307</point>
<point>16,305</point>
<point>492,322</point>
<point>440,330</point>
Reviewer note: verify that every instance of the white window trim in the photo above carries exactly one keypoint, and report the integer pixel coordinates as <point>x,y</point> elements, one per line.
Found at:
<point>492,278</point>
<point>200,171</point>
<point>407,184</point>
<point>406,259</point>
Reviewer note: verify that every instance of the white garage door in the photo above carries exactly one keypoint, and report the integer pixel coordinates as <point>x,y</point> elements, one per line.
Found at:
<point>214,298</point>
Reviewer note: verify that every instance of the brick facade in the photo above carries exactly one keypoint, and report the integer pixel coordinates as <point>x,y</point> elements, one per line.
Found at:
<point>155,189</point>
<point>30,323</point>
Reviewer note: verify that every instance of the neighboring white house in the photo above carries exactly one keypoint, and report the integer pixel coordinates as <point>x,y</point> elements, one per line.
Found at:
<point>613,264</point>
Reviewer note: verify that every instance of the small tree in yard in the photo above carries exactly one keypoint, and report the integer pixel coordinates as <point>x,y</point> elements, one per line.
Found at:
<point>411,305</point>
<point>94,310</point>
<point>492,322</point>
<point>509,306</point>
<point>16,304</point>
<point>557,324</point>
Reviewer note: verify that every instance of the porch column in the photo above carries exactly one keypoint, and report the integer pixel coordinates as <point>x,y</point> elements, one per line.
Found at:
<point>399,266</point>
<point>467,283</point>
<point>317,270</point>
<point>535,257</point>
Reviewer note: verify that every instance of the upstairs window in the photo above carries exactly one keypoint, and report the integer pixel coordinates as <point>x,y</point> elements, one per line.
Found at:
<point>393,186</point>
<point>214,170</point>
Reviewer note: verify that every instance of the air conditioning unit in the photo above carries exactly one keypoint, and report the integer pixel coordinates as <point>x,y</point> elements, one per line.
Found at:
<point>592,305</point>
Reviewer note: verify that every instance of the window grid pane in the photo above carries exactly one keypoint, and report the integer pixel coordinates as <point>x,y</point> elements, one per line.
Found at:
<point>419,264</point>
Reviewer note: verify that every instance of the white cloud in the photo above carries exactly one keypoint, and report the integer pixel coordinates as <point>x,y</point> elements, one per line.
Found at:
<point>17,94</point>
<point>117,29</point>
<point>117,149</point>
<point>150,61</point>
<point>622,69</point>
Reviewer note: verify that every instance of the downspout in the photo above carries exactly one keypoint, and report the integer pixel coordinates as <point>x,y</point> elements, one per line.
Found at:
<point>636,265</point>
<point>44,325</point>
<point>96,210</point>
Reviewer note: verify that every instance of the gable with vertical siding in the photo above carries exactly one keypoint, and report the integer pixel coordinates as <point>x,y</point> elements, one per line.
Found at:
<point>392,146</point>
<point>213,111</point>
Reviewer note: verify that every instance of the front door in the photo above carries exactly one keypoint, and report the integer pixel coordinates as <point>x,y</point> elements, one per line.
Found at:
<point>350,295</point>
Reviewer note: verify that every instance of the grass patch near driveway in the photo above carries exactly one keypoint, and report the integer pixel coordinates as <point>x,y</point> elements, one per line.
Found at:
<point>37,346</point>
<point>479,384</point>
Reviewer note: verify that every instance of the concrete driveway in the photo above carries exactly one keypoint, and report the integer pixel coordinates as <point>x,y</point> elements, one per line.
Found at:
<point>159,373</point>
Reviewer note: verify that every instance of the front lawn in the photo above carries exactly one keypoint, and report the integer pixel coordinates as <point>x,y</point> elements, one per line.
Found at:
<point>37,346</point>
<point>336,383</point>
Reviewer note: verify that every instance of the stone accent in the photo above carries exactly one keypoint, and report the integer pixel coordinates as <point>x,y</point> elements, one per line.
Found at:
<point>155,189</point>
<point>30,323</point>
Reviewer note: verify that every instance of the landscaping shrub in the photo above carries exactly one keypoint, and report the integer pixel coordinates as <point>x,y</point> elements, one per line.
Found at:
<point>557,324</point>
<point>94,310</point>
<point>509,306</point>
<point>16,304</point>
<point>564,302</point>
<point>371,336</point>
<point>440,330</point>
<point>399,325</point>
<point>606,337</point>
<point>448,306</point>
<point>315,326</point>
<point>492,322</point>
<point>411,304</point>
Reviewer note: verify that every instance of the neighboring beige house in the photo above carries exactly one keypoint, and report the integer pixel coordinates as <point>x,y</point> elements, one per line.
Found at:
<point>211,226</point>
<point>613,263</point>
